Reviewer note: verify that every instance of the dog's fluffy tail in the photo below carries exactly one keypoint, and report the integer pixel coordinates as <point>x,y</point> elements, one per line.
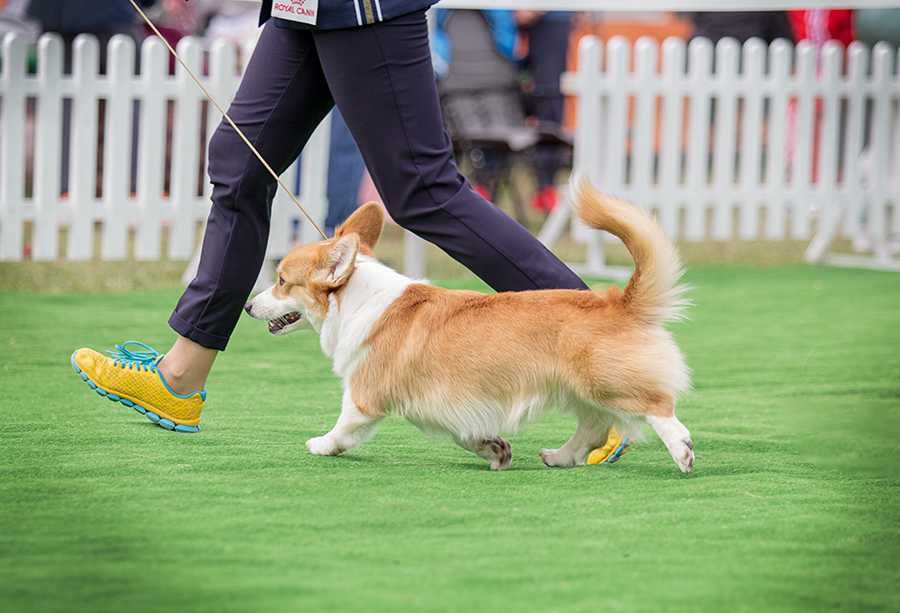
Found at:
<point>653,293</point>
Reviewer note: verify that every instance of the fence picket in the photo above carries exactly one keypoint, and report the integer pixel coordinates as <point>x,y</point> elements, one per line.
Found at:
<point>155,70</point>
<point>12,154</point>
<point>894,189</point>
<point>616,117</point>
<point>857,66</point>
<point>776,160</point>
<point>670,149</point>
<point>185,152</point>
<point>588,158</point>
<point>281,226</point>
<point>826,172</point>
<point>726,80</point>
<point>47,142</point>
<point>83,152</point>
<point>700,57</point>
<point>804,143</point>
<point>752,127</point>
<point>117,150</point>
<point>645,80</point>
<point>879,148</point>
<point>313,193</point>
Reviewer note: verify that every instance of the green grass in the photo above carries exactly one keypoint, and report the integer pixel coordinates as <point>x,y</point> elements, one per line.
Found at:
<point>793,504</point>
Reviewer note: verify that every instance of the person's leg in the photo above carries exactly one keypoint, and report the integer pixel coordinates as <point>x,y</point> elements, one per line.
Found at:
<point>384,86</point>
<point>345,173</point>
<point>548,57</point>
<point>282,98</point>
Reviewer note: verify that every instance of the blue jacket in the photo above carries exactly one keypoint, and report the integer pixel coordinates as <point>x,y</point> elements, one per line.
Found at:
<point>335,14</point>
<point>504,31</point>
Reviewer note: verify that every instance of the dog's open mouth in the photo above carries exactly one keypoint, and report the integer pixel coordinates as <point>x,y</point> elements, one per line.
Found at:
<point>280,323</point>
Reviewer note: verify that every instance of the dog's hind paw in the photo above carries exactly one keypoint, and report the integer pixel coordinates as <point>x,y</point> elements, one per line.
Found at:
<point>497,451</point>
<point>684,457</point>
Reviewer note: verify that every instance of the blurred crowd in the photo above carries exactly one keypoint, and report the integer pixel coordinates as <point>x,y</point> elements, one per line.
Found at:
<point>498,72</point>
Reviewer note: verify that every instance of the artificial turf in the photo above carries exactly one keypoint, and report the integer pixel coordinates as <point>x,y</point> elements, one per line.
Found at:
<point>793,504</point>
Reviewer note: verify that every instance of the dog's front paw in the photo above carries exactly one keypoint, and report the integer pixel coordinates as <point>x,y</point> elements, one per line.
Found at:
<point>323,445</point>
<point>557,458</point>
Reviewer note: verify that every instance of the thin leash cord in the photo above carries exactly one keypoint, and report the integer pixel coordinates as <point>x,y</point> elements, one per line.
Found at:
<point>228,119</point>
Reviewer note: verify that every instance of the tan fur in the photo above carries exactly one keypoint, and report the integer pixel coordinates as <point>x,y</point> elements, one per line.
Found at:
<point>605,345</point>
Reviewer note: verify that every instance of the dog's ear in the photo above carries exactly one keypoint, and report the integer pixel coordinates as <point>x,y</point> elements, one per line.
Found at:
<point>367,221</point>
<point>339,261</point>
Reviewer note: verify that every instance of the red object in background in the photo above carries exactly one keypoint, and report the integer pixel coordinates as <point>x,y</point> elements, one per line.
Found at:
<point>483,191</point>
<point>817,26</point>
<point>546,199</point>
<point>172,36</point>
<point>820,25</point>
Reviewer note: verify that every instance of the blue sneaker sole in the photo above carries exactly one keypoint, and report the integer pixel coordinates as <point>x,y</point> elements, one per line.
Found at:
<point>616,455</point>
<point>162,422</point>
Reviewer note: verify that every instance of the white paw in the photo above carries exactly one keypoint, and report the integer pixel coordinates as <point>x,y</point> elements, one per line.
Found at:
<point>557,458</point>
<point>323,445</point>
<point>683,455</point>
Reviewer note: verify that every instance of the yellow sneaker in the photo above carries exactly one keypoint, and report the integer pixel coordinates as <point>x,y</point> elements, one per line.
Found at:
<point>132,378</point>
<point>616,445</point>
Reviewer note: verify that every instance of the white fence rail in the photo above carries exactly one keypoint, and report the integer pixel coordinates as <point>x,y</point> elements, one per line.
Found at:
<point>724,143</point>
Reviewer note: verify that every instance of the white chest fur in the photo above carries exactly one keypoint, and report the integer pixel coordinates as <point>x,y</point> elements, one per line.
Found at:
<point>371,289</point>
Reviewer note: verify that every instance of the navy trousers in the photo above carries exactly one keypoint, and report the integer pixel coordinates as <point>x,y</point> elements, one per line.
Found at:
<point>381,79</point>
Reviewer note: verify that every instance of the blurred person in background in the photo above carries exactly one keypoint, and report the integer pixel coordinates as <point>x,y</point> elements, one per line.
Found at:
<point>817,26</point>
<point>233,20</point>
<point>102,18</point>
<point>545,38</point>
<point>13,18</point>
<point>821,25</point>
<point>742,25</point>
<point>345,173</point>
<point>475,59</point>
<point>876,25</point>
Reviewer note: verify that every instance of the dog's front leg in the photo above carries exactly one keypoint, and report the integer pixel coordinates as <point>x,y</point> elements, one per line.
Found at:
<point>353,428</point>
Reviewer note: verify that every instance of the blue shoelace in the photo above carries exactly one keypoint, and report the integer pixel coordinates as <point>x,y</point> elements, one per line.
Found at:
<point>144,359</point>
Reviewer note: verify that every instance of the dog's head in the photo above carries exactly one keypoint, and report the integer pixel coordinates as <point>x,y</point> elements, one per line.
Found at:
<point>310,274</point>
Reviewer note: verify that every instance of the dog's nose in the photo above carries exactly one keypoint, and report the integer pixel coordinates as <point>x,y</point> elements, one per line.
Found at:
<point>249,308</point>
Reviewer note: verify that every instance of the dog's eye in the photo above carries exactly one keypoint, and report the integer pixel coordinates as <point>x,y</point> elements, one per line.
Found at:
<point>280,280</point>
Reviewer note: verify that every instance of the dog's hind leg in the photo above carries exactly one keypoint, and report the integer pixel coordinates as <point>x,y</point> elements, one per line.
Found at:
<point>659,411</point>
<point>353,428</point>
<point>677,439</point>
<point>591,433</point>
<point>495,450</point>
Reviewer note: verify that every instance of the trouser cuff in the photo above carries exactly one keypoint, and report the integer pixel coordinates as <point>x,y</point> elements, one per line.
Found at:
<point>201,337</point>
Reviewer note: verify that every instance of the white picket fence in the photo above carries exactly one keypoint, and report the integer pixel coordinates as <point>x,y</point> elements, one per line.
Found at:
<point>724,143</point>
<point>116,210</point>
<point>743,143</point>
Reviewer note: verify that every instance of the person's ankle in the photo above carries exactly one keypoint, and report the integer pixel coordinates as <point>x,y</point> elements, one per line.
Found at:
<point>179,378</point>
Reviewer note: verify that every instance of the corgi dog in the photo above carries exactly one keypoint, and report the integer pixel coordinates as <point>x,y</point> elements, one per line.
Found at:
<point>477,366</point>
